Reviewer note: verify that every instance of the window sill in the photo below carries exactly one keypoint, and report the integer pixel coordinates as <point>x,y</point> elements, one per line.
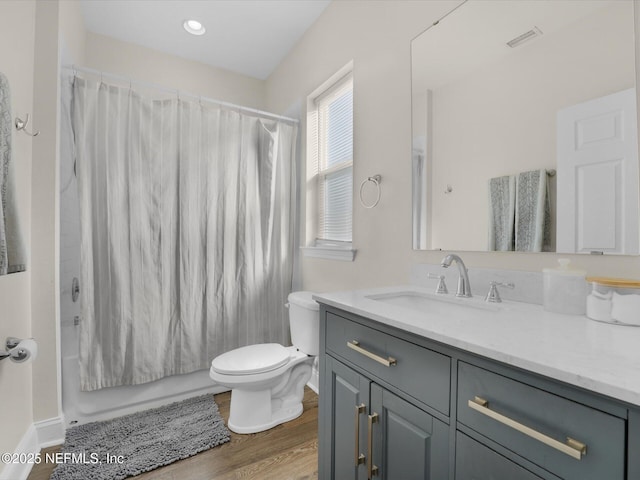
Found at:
<point>342,253</point>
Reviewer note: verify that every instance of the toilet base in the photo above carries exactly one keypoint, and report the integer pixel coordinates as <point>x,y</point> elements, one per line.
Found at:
<point>253,411</point>
<point>243,425</point>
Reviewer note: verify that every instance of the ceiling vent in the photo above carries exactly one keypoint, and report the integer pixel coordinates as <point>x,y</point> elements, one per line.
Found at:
<point>525,37</point>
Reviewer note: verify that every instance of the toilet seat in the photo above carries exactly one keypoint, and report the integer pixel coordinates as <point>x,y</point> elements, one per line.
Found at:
<point>251,359</point>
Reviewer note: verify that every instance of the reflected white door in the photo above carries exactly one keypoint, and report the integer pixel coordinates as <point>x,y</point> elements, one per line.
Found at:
<point>598,176</point>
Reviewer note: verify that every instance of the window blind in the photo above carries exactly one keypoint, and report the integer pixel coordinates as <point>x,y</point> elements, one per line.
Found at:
<point>335,162</point>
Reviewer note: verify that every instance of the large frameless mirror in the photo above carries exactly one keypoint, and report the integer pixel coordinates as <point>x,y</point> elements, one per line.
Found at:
<point>525,128</point>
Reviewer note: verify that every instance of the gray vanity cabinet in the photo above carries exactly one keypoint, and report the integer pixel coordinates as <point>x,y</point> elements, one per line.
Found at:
<point>376,434</point>
<point>400,407</point>
<point>367,431</point>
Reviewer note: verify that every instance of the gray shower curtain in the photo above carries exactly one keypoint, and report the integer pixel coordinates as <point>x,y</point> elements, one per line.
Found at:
<point>187,221</point>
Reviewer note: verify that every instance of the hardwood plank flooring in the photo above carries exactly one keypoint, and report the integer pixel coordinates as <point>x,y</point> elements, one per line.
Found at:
<point>286,452</point>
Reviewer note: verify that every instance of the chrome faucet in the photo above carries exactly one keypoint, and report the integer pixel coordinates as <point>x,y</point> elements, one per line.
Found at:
<point>464,287</point>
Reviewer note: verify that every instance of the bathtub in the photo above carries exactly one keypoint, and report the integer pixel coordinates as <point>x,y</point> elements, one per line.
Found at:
<point>83,407</point>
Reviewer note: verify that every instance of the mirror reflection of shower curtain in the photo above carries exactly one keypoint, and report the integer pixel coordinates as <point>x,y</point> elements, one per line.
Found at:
<point>187,232</point>
<point>419,200</point>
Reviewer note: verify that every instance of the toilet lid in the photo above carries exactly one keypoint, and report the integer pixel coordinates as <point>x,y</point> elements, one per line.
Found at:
<point>251,359</point>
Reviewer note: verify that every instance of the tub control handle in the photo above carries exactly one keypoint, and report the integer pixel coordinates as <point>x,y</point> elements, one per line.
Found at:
<point>75,289</point>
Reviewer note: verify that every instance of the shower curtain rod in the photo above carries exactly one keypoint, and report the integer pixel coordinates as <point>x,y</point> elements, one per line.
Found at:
<point>178,92</point>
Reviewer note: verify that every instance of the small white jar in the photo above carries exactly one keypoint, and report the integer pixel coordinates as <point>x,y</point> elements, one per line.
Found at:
<point>614,300</point>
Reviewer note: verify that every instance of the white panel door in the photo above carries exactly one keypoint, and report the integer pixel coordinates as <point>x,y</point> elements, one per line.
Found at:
<point>598,176</point>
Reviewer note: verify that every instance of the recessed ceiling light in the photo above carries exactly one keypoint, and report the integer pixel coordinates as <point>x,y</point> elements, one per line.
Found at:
<point>194,27</point>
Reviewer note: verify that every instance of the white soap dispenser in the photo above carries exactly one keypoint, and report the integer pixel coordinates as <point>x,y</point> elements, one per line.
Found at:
<point>565,289</point>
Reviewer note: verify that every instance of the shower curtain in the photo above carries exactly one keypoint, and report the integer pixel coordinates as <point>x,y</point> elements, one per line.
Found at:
<point>187,223</point>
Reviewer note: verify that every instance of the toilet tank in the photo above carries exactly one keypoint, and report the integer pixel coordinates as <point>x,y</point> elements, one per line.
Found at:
<point>304,322</point>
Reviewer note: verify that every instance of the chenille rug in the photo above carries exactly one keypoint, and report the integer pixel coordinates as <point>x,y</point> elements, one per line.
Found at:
<point>130,445</point>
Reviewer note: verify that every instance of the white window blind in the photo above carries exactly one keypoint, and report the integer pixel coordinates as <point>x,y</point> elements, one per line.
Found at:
<point>335,162</point>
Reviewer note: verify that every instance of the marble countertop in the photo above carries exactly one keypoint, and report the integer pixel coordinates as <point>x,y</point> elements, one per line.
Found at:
<point>596,356</point>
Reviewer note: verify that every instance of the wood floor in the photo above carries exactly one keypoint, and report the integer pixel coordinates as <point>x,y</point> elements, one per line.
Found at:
<point>286,452</point>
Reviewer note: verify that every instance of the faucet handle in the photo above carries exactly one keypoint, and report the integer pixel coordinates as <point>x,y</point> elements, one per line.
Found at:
<point>494,296</point>
<point>441,289</point>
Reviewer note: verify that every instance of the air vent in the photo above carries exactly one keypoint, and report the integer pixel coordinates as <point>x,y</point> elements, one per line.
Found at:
<point>525,37</point>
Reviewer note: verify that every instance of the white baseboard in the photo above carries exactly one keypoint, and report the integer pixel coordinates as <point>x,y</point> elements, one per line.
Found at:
<point>50,432</point>
<point>27,447</point>
<point>39,435</point>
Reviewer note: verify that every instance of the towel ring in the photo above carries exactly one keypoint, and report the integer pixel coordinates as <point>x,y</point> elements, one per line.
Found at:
<point>376,179</point>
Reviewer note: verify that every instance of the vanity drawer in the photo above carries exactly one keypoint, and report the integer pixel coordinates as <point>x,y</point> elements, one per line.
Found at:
<point>474,461</point>
<point>536,424</point>
<point>420,372</point>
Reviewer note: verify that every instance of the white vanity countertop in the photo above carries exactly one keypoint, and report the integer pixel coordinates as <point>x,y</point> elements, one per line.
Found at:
<point>596,356</point>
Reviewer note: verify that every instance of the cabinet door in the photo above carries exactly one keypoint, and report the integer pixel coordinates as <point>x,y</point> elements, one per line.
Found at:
<point>345,429</point>
<point>408,443</point>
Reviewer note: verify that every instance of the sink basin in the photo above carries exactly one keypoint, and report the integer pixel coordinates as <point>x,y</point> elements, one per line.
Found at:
<point>432,302</point>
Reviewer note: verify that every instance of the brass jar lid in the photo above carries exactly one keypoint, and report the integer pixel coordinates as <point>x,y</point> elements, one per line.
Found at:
<point>615,282</point>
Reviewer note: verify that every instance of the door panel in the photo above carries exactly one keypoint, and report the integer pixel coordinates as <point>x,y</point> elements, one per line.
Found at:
<point>409,444</point>
<point>598,176</point>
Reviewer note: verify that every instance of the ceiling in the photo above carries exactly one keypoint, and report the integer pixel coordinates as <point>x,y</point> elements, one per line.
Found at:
<point>477,35</point>
<point>250,37</point>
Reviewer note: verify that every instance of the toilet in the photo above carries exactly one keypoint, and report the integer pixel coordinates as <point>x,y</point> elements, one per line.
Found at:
<point>267,380</point>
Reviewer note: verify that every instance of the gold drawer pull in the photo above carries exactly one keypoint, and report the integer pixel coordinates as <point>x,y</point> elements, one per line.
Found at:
<point>573,448</point>
<point>387,362</point>
<point>372,470</point>
<point>359,457</point>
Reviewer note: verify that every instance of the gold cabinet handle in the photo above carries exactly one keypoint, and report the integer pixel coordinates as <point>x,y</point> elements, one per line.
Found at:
<point>573,448</point>
<point>371,468</point>
<point>358,456</point>
<point>387,362</point>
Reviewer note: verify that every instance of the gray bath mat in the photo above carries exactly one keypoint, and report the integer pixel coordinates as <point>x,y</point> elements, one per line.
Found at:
<point>136,443</point>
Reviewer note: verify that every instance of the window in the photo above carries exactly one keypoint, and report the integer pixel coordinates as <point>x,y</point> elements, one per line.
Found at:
<point>330,169</point>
